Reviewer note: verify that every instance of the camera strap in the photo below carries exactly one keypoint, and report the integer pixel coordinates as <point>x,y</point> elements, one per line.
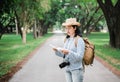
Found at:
<point>64,56</point>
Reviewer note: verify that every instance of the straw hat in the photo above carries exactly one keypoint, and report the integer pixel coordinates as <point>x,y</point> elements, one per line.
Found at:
<point>71,21</point>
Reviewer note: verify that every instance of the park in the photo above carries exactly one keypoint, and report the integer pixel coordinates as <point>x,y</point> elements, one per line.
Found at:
<point>27,27</point>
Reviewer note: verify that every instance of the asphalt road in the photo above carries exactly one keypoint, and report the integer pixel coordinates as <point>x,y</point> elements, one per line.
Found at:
<point>43,67</point>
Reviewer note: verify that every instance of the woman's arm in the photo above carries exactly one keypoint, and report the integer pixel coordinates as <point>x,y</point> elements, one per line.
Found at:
<point>76,56</point>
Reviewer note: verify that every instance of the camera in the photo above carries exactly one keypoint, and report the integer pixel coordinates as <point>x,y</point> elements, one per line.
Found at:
<point>63,64</point>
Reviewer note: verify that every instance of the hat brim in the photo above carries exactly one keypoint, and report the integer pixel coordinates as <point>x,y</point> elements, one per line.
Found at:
<point>69,24</point>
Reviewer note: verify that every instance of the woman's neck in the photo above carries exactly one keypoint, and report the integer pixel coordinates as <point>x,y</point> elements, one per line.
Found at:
<point>72,35</point>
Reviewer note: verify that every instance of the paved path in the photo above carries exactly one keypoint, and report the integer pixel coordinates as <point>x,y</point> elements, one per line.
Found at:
<point>43,67</point>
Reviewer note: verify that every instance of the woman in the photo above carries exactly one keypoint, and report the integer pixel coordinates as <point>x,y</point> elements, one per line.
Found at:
<point>73,55</point>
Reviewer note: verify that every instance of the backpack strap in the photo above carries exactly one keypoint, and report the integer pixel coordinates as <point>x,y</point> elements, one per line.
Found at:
<point>65,40</point>
<point>76,41</point>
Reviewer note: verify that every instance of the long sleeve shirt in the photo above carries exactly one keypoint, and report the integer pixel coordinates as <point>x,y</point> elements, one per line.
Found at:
<point>75,55</point>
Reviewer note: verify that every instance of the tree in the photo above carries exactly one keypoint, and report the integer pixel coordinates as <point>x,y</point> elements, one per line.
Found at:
<point>111,10</point>
<point>28,14</point>
<point>87,13</point>
<point>24,9</point>
<point>43,22</point>
<point>6,15</point>
<point>50,17</point>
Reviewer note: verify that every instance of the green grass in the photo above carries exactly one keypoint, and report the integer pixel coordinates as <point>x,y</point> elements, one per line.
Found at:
<point>103,50</point>
<point>12,50</point>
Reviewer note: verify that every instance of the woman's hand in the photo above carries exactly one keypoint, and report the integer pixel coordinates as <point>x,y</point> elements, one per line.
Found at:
<point>64,51</point>
<point>55,49</point>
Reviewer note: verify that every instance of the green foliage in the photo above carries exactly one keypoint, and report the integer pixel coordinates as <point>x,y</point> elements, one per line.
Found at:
<point>6,13</point>
<point>83,10</point>
<point>109,54</point>
<point>12,50</point>
<point>52,15</point>
<point>114,2</point>
<point>45,4</point>
<point>86,0</point>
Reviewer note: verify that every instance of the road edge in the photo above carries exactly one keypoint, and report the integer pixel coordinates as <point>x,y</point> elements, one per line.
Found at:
<point>110,67</point>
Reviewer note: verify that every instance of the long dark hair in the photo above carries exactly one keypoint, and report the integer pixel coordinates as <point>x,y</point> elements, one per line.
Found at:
<point>77,31</point>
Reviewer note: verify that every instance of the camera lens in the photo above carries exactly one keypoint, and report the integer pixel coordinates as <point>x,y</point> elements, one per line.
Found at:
<point>62,65</point>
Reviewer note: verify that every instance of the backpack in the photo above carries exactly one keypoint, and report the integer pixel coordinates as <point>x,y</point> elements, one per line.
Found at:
<point>89,53</point>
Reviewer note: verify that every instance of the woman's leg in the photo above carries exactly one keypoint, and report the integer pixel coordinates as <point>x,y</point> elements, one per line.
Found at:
<point>77,75</point>
<point>68,76</point>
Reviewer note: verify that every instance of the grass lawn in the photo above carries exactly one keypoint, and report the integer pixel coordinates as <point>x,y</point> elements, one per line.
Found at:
<point>12,50</point>
<point>103,50</point>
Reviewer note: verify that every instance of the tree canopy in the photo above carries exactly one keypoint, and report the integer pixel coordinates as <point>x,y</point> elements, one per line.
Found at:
<point>39,15</point>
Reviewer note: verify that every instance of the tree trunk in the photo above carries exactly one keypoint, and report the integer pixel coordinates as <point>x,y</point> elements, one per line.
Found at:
<point>115,34</point>
<point>45,29</point>
<point>1,29</point>
<point>35,30</point>
<point>24,36</point>
<point>41,32</point>
<point>112,16</point>
<point>40,28</point>
<point>16,25</point>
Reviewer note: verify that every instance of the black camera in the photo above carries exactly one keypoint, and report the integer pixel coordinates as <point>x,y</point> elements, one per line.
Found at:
<point>63,64</point>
